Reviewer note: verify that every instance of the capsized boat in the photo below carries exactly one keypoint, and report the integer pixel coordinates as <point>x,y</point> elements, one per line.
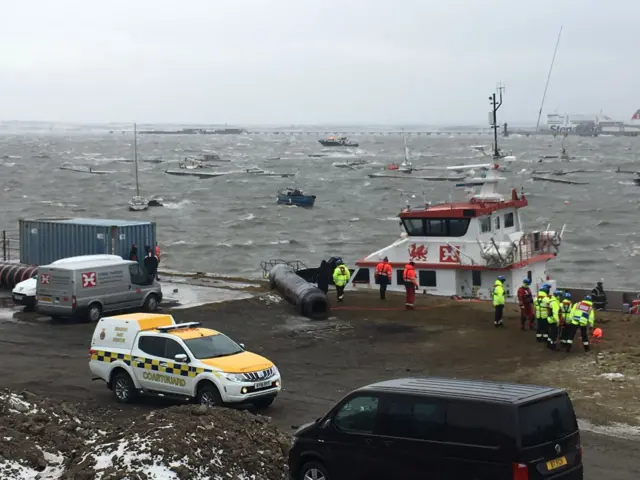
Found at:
<point>546,178</point>
<point>198,172</point>
<point>460,248</point>
<point>337,142</point>
<point>81,169</point>
<point>295,196</point>
<point>191,163</point>
<point>264,173</point>
<point>352,165</point>
<point>446,178</point>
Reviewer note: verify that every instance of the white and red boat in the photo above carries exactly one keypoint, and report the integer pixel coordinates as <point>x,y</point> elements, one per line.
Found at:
<point>461,248</point>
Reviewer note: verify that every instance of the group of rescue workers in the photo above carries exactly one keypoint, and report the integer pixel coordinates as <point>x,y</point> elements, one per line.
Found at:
<point>553,316</point>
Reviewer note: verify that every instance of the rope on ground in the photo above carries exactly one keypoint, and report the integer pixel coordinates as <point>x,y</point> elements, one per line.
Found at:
<point>385,309</point>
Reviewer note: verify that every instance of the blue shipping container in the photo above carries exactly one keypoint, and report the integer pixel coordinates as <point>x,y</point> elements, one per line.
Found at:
<point>47,240</point>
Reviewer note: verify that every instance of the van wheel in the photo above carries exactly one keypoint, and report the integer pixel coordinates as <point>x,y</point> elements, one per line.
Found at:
<point>263,403</point>
<point>313,471</point>
<point>94,313</point>
<point>209,395</point>
<point>123,387</point>
<point>151,303</point>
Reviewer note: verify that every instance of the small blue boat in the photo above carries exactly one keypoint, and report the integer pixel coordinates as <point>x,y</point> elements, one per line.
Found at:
<point>295,196</point>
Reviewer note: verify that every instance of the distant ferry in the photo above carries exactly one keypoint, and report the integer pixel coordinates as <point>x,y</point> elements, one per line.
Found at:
<point>576,123</point>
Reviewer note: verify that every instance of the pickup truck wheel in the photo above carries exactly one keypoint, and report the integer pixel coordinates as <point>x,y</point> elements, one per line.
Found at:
<point>263,403</point>
<point>209,395</point>
<point>313,471</point>
<point>123,387</point>
<point>94,313</point>
<point>151,303</point>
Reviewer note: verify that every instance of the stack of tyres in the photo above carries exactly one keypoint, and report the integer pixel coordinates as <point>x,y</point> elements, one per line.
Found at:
<point>13,273</point>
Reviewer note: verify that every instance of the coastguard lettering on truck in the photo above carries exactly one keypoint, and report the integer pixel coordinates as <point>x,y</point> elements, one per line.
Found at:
<point>158,377</point>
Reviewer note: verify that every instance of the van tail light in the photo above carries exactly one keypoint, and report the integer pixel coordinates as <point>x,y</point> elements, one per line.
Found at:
<point>73,303</point>
<point>520,471</point>
<point>91,352</point>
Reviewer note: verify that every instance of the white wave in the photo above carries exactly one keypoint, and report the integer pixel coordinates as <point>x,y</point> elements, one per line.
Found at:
<point>280,242</point>
<point>247,217</point>
<point>176,205</point>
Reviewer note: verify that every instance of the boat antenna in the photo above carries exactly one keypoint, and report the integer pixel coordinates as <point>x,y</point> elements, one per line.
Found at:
<point>495,105</point>
<point>544,94</point>
<point>135,156</point>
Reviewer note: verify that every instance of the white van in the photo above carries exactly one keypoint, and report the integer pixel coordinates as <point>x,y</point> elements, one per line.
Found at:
<point>87,289</point>
<point>24,292</point>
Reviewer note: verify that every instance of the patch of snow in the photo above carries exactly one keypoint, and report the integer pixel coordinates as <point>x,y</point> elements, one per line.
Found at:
<point>610,376</point>
<point>16,471</point>
<point>270,299</point>
<point>619,430</point>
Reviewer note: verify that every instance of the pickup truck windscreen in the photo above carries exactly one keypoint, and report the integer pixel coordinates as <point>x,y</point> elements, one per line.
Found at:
<point>212,346</point>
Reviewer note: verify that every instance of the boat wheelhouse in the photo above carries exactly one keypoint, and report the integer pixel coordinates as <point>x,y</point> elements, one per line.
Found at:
<point>459,249</point>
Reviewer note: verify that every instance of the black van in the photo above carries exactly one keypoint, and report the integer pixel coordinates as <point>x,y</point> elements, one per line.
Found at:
<point>442,429</point>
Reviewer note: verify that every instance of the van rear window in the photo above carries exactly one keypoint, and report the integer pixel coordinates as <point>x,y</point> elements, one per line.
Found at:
<point>547,421</point>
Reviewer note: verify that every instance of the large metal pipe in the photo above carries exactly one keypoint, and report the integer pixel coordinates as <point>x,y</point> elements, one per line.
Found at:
<point>13,273</point>
<point>308,299</point>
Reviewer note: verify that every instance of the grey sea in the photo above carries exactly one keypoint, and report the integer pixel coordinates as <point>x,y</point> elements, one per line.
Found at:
<point>230,224</point>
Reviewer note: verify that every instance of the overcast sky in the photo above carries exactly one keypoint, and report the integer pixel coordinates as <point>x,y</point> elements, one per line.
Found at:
<point>314,61</point>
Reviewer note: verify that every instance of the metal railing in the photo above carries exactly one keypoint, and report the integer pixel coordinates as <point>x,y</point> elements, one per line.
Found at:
<point>9,246</point>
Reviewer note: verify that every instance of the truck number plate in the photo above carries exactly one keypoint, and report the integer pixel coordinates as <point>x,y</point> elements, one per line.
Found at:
<point>46,299</point>
<point>262,385</point>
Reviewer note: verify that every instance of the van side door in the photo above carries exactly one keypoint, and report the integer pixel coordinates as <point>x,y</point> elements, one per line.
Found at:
<point>152,367</point>
<point>481,440</point>
<point>412,433</point>
<point>347,440</point>
<point>138,286</point>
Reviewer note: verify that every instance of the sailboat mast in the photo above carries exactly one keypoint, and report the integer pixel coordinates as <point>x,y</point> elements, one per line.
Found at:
<point>495,105</point>
<point>544,94</point>
<point>135,156</point>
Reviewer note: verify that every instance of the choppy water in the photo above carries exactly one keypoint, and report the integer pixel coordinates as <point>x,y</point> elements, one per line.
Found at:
<point>230,224</point>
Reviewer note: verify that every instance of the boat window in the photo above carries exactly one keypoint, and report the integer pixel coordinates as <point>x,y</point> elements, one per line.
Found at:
<point>427,278</point>
<point>508,220</point>
<point>476,278</point>
<point>400,277</point>
<point>436,227</point>
<point>485,224</point>
<point>497,223</point>
<point>362,276</point>
<point>458,227</point>
<point>414,226</point>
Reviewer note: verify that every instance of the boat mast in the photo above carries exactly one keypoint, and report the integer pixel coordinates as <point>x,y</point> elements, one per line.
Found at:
<point>544,94</point>
<point>135,156</point>
<point>495,105</point>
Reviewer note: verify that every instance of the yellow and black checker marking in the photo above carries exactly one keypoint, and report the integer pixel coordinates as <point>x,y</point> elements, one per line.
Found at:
<point>109,357</point>
<point>172,368</point>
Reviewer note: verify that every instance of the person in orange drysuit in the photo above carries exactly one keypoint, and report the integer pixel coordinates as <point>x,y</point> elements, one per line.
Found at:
<point>383,276</point>
<point>525,300</point>
<point>410,284</point>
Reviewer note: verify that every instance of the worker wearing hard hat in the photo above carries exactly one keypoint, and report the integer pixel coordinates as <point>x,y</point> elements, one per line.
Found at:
<point>582,316</point>
<point>553,320</point>
<point>497,295</point>
<point>384,275</point>
<point>565,313</point>
<point>525,301</point>
<point>541,308</point>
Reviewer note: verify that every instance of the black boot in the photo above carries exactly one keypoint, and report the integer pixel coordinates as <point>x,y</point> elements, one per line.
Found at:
<point>587,348</point>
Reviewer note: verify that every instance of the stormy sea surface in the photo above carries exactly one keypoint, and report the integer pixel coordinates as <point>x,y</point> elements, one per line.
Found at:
<point>230,224</point>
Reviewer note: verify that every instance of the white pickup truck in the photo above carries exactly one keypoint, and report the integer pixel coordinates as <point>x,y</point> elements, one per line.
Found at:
<point>146,353</point>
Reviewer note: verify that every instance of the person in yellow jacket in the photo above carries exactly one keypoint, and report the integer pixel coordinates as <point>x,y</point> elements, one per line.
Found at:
<point>582,316</point>
<point>497,296</point>
<point>541,309</point>
<point>341,275</point>
<point>565,310</point>
<point>553,320</point>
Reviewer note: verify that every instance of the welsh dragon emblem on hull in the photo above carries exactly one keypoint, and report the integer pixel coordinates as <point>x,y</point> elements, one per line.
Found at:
<point>417,252</point>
